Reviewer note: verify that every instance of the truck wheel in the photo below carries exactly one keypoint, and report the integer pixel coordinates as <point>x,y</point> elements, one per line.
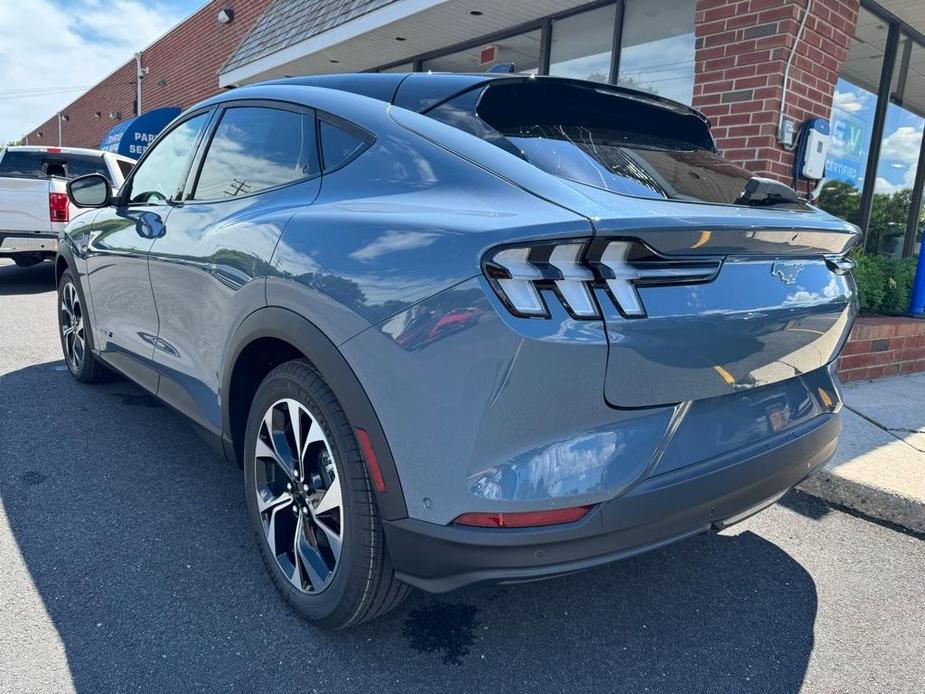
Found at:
<point>26,260</point>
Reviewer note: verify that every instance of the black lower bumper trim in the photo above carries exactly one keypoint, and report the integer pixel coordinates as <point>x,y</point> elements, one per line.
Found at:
<point>655,513</point>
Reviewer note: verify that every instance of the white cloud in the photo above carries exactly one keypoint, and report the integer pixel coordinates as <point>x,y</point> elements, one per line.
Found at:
<point>48,47</point>
<point>902,145</point>
<point>850,101</point>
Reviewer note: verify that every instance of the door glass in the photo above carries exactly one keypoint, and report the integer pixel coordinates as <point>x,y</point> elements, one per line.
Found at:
<point>159,177</point>
<point>657,53</point>
<point>582,45</point>
<point>257,148</point>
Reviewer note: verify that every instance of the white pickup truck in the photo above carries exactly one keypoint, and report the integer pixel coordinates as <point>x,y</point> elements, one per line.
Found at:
<point>33,201</point>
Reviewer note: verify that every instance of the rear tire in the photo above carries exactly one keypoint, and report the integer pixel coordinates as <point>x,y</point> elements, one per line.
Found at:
<point>27,260</point>
<point>330,565</point>
<point>73,329</point>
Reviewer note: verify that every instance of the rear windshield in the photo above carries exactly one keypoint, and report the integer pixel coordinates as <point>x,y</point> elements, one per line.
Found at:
<point>612,141</point>
<point>19,164</point>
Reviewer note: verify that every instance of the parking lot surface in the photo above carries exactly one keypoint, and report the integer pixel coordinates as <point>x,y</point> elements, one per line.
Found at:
<point>126,564</point>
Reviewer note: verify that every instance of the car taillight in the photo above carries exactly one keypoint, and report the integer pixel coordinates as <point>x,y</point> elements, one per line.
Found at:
<point>58,207</point>
<point>571,270</point>
<point>524,519</point>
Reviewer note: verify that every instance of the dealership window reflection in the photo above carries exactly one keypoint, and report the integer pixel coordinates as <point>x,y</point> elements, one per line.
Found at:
<point>657,53</point>
<point>582,45</point>
<point>523,50</point>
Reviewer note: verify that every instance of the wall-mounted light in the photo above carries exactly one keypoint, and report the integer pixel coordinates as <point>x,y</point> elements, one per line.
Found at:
<point>225,16</point>
<point>98,114</point>
<point>65,118</point>
<point>162,82</point>
<point>40,134</point>
<point>115,115</point>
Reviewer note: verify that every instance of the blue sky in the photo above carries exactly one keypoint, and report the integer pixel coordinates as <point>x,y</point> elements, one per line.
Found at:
<point>39,76</point>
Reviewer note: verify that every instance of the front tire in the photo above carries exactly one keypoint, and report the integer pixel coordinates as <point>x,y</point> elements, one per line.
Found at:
<point>311,504</point>
<point>73,329</point>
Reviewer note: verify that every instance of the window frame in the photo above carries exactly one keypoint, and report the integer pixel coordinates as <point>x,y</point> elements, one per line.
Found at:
<point>121,197</point>
<point>192,180</point>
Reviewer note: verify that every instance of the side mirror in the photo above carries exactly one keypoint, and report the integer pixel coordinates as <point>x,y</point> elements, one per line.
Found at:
<point>92,190</point>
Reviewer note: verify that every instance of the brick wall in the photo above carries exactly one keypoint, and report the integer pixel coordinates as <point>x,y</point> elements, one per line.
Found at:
<point>883,346</point>
<point>183,69</point>
<point>741,54</point>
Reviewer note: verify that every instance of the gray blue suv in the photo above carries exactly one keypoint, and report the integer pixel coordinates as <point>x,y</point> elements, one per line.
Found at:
<point>460,329</point>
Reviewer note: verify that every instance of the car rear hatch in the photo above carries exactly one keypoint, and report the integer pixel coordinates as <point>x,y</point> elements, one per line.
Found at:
<point>710,280</point>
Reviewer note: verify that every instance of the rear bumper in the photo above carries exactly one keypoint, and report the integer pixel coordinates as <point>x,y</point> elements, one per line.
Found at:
<point>658,511</point>
<point>14,242</point>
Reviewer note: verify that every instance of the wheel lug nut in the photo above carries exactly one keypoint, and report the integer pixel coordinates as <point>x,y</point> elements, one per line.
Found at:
<point>289,486</point>
<point>304,487</point>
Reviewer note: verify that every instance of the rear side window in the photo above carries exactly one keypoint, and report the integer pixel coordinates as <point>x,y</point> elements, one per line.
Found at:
<point>339,144</point>
<point>77,165</point>
<point>23,164</point>
<point>256,148</point>
<point>614,141</point>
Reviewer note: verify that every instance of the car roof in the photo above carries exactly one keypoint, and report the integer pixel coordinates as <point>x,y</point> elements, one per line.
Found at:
<point>418,91</point>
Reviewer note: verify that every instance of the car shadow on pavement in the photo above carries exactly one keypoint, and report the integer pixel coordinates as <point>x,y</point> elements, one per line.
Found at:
<point>135,537</point>
<point>26,280</point>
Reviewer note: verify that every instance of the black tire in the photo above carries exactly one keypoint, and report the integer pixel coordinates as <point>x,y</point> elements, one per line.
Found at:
<point>362,584</point>
<point>88,368</point>
<point>25,260</point>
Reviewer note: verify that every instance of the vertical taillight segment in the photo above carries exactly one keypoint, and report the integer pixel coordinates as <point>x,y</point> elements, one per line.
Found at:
<point>58,207</point>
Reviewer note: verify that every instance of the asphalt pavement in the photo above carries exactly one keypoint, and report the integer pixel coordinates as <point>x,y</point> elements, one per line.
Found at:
<point>126,565</point>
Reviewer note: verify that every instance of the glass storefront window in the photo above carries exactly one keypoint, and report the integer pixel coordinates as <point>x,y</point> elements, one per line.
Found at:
<point>852,119</point>
<point>404,67</point>
<point>582,45</point>
<point>899,153</point>
<point>657,53</point>
<point>523,50</point>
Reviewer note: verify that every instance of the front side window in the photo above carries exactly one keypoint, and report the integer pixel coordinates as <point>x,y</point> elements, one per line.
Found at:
<point>158,178</point>
<point>256,148</point>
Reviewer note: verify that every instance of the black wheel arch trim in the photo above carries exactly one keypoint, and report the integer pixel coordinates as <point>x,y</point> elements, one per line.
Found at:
<point>292,328</point>
<point>65,253</point>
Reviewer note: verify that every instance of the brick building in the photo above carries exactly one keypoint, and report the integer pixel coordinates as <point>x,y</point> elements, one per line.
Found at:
<point>858,63</point>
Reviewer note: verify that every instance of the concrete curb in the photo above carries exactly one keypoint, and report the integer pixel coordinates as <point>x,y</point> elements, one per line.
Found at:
<point>881,504</point>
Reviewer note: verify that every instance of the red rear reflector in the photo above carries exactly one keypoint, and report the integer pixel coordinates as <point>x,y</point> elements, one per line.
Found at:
<point>58,207</point>
<point>372,462</point>
<point>528,519</point>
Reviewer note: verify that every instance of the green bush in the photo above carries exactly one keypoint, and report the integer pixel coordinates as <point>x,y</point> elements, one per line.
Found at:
<point>871,280</point>
<point>899,286</point>
<point>884,284</point>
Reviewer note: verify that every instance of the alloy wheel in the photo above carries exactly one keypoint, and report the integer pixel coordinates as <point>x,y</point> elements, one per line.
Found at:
<point>299,495</point>
<point>72,327</point>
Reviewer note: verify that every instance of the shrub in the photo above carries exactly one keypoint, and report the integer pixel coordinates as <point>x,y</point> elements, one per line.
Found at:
<point>884,284</point>
<point>871,280</point>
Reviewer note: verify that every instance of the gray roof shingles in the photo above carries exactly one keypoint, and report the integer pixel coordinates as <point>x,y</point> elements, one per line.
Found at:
<point>287,22</point>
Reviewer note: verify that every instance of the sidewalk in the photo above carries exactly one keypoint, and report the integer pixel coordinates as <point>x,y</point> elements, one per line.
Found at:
<point>879,467</point>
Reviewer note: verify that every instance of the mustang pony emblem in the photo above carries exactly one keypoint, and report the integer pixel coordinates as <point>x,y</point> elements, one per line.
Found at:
<point>786,272</point>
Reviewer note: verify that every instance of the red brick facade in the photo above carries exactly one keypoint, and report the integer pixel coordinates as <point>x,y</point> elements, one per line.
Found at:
<point>742,50</point>
<point>183,69</point>
<point>882,346</point>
